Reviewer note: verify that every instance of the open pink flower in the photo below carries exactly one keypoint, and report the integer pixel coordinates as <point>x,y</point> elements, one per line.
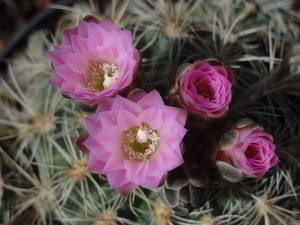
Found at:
<point>95,60</point>
<point>134,141</point>
<point>245,150</point>
<point>204,88</point>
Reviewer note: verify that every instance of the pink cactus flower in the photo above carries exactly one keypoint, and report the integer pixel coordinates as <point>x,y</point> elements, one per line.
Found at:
<point>134,141</point>
<point>245,151</point>
<point>204,89</point>
<point>95,60</point>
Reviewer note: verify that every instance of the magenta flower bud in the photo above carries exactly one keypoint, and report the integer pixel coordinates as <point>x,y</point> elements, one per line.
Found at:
<point>95,60</point>
<point>134,141</point>
<point>245,151</point>
<point>203,89</point>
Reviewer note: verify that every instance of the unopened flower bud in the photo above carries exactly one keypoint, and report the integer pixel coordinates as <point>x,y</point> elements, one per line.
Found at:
<point>242,150</point>
<point>187,187</point>
<point>203,89</point>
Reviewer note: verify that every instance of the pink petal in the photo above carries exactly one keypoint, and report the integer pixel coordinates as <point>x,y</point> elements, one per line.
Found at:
<point>103,121</point>
<point>93,122</point>
<point>94,146</point>
<point>147,101</point>
<point>113,42</point>
<point>171,160</point>
<point>82,29</point>
<point>126,39</point>
<point>76,62</point>
<point>66,36</point>
<point>96,35</point>
<point>126,105</point>
<point>156,166</point>
<point>55,79</point>
<point>55,57</point>
<point>89,54</point>
<point>136,54</point>
<point>109,119</point>
<point>127,66</point>
<point>152,116</point>
<point>105,104</point>
<point>136,95</point>
<point>70,76</point>
<point>170,123</point>
<point>112,139</point>
<point>68,88</point>
<point>101,155</point>
<point>109,25</point>
<point>116,178</point>
<point>126,188</point>
<point>115,161</point>
<point>177,114</point>
<point>253,129</point>
<point>275,160</point>
<point>127,120</point>
<point>201,64</point>
<point>172,140</point>
<point>95,165</point>
<point>80,90</point>
<point>136,171</point>
<point>74,43</point>
<point>104,55</point>
<point>154,182</point>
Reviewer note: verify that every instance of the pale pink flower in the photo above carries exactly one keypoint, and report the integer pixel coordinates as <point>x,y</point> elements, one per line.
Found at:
<point>95,60</point>
<point>203,89</point>
<point>134,141</point>
<point>245,151</point>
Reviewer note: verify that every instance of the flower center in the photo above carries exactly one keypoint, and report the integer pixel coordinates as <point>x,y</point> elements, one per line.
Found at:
<point>103,76</point>
<point>203,90</point>
<point>141,142</point>
<point>251,152</point>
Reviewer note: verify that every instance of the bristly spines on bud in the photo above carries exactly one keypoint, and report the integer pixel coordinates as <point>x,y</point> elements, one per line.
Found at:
<point>187,187</point>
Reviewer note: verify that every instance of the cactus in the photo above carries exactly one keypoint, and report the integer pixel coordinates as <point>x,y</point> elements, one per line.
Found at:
<point>44,176</point>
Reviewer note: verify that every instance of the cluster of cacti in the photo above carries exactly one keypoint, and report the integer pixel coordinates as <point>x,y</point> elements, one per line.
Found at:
<point>45,177</point>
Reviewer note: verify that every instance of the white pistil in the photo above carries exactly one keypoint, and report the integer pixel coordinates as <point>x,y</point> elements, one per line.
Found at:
<point>141,136</point>
<point>111,75</point>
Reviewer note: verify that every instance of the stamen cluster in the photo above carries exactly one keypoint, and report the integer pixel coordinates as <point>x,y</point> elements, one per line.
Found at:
<point>103,76</point>
<point>141,142</point>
